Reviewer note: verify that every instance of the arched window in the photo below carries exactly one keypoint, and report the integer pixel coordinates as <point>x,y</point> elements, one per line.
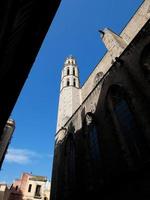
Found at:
<point>145,61</point>
<point>68,82</point>
<point>68,71</point>
<point>69,159</point>
<point>92,154</point>
<point>74,71</point>
<point>92,135</point>
<point>134,140</point>
<point>74,82</point>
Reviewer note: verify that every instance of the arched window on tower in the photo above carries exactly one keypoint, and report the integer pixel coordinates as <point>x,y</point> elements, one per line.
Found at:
<point>145,62</point>
<point>74,82</point>
<point>68,82</point>
<point>68,71</point>
<point>74,71</point>
<point>119,104</point>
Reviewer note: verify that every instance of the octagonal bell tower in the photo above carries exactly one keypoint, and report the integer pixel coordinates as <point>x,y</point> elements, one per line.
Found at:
<point>69,98</point>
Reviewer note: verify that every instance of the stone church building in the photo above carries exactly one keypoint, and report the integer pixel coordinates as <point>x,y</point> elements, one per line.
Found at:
<point>102,144</point>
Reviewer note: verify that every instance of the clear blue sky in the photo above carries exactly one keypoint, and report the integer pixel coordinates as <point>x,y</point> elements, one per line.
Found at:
<point>74,31</point>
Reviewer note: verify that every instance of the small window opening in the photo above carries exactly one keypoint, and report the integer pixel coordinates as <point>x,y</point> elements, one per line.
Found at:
<point>67,71</point>
<point>38,191</point>
<point>29,188</point>
<point>74,82</point>
<point>68,82</point>
<point>74,71</point>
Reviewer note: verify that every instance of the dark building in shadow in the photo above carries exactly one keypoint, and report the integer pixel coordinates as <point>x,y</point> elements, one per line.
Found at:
<point>102,151</point>
<point>24,24</point>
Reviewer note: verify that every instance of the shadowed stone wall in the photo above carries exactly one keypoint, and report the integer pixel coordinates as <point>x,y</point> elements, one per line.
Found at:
<point>104,148</point>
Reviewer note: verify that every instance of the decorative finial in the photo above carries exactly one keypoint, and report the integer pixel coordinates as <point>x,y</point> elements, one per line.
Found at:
<point>71,56</point>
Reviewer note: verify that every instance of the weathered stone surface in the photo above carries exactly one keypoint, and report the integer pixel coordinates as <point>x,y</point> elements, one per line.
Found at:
<point>103,150</point>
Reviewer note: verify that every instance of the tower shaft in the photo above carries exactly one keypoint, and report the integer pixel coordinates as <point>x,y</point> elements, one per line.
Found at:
<point>69,98</point>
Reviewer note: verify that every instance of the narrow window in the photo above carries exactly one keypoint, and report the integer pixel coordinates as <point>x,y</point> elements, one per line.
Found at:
<point>17,187</point>
<point>67,71</point>
<point>74,71</point>
<point>92,156</point>
<point>29,188</point>
<point>68,82</point>
<point>133,136</point>
<point>38,191</point>
<point>93,137</point>
<point>74,82</point>
<point>69,159</point>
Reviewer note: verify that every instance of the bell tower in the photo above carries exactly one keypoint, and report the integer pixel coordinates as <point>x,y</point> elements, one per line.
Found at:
<point>69,98</point>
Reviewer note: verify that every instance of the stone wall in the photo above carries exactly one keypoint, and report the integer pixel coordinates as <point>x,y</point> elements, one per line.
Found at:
<point>129,32</point>
<point>112,163</point>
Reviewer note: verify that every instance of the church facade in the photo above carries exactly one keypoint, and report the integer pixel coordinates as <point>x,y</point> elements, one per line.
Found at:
<point>102,144</point>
